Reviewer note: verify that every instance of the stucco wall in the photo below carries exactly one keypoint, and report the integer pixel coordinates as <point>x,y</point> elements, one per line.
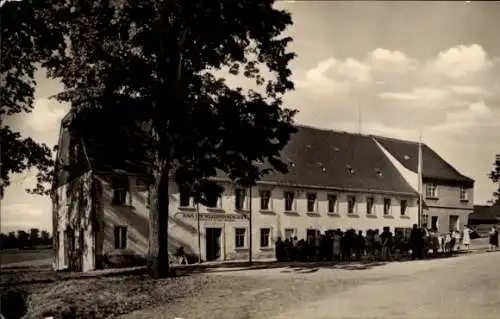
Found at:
<point>185,225</point>
<point>133,215</point>
<point>448,203</point>
<point>72,206</point>
<point>183,221</point>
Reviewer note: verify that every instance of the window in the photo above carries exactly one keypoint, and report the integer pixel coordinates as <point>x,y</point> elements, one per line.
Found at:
<point>387,206</point>
<point>434,222</point>
<point>120,237</point>
<point>404,206</point>
<point>332,203</point>
<point>289,201</point>
<point>239,239</point>
<point>265,198</point>
<point>351,204</point>
<point>311,202</point>
<point>214,201</point>
<point>425,219</point>
<point>240,199</point>
<point>463,193</point>
<point>185,197</point>
<point>289,233</point>
<point>265,237</point>
<point>369,205</point>
<point>454,223</point>
<point>120,189</point>
<point>431,191</point>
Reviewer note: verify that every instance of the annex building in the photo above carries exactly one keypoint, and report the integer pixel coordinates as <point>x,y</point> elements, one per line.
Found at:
<point>337,180</point>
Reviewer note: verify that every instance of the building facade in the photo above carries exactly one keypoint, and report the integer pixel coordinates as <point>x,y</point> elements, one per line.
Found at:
<point>336,180</point>
<point>448,196</point>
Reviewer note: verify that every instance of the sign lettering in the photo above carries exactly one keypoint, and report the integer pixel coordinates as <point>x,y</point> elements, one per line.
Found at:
<point>215,217</point>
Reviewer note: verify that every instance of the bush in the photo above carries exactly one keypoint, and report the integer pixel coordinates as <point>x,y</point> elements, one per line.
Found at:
<point>123,258</point>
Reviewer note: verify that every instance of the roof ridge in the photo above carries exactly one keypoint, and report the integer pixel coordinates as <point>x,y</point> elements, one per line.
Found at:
<point>325,129</point>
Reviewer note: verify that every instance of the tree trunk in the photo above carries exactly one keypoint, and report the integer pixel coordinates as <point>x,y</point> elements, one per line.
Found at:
<point>158,261</point>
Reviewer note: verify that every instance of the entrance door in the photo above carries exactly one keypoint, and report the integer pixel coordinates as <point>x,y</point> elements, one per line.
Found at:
<point>434,222</point>
<point>453,222</point>
<point>310,235</point>
<point>213,239</point>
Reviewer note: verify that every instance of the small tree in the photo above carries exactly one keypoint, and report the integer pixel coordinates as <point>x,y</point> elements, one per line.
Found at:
<point>494,175</point>
<point>143,71</point>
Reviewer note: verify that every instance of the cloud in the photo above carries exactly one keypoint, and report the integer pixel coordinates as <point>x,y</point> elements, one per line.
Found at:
<point>450,92</point>
<point>25,216</point>
<point>459,61</point>
<point>46,115</point>
<point>424,94</point>
<point>467,90</point>
<point>477,116</point>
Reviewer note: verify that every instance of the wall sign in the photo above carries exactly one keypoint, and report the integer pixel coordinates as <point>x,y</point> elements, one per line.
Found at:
<point>215,217</point>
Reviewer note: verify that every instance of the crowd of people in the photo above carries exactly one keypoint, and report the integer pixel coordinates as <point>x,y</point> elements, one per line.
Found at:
<point>350,245</point>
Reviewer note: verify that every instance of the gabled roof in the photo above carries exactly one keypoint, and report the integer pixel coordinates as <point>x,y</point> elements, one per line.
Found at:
<point>485,213</point>
<point>317,157</point>
<point>325,158</point>
<point>433,165</point>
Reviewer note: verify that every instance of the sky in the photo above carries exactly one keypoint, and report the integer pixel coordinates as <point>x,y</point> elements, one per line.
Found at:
<point>398,69</point>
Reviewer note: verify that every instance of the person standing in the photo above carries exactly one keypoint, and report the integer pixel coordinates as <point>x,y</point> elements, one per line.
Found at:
<point>493,242</point>
<point>416,242</point>
<point>466,237</point>
<point>337,245</point>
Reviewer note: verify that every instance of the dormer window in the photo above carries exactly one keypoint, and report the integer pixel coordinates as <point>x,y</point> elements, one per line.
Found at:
<point>378,171</point>
<point>291,163</point>
<point>120,187</point>
<point>350,170</point>
<point>323,169</point>
<point>406,157</point>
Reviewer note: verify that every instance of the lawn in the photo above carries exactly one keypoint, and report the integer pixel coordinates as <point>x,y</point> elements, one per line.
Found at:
<point>48,292</point>
<point>194,295</point>
<point>34,257</point>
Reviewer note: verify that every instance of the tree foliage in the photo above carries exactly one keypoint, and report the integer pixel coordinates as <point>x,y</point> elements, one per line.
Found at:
<point>494,175</point>
<point>146,69</point>
<point>23,239</point>
<point>29,35</point>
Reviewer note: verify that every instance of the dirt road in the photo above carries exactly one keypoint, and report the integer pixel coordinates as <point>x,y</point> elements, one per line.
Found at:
<point>466,287</point>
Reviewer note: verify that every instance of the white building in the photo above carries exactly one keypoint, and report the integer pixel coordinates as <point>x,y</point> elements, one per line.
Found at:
<point>337,180</point>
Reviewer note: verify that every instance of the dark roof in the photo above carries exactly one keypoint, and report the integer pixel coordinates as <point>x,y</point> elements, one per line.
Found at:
<point>433,165</point>
<point>317,157</point>
<point>485,213</point>
<point>323,157</point>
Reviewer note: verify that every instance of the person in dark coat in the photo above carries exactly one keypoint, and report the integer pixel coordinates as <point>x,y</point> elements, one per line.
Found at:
<point>360,245</point>
<point>279,249</point>
<point>493,238</point>
<point>416,242</point>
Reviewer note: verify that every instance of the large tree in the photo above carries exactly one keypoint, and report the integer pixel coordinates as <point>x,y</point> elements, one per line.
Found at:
<point>147,67</point>
<point>494,175</point>
<point>29,35</point>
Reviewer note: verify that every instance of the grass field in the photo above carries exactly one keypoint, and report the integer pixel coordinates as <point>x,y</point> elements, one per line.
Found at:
<point>20,258</point>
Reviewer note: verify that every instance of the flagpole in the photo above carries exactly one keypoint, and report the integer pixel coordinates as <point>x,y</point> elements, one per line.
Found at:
<point>420,182</point>
<point>250,228</point>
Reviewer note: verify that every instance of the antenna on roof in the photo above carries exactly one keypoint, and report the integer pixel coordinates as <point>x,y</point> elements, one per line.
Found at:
<point>359,116</point>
